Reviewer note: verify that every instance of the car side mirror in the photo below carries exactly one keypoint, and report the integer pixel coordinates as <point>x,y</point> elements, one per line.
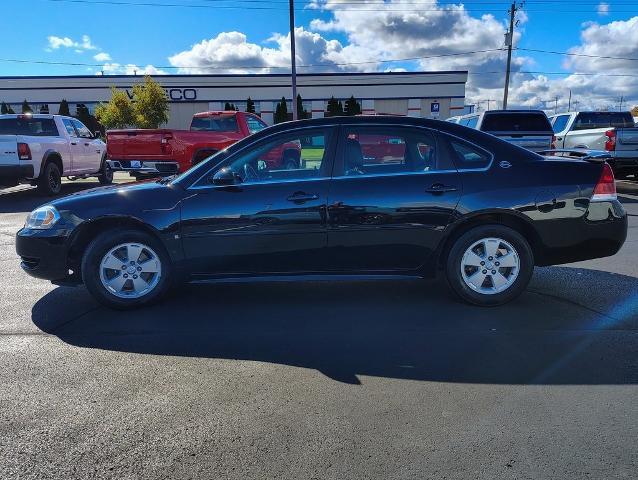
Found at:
<point>225,176</point>
<point>97,134</point>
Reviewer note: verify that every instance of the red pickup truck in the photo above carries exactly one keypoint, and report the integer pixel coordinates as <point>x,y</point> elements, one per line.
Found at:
<point>147,152</point>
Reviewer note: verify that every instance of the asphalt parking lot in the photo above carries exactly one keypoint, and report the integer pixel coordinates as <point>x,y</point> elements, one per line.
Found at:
<point>321,379</point>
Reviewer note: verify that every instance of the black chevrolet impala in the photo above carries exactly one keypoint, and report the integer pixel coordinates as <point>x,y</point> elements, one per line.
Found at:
<point>371,196</point>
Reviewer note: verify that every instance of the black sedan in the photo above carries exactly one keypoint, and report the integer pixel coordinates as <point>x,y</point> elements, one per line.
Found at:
<point>372,196</point>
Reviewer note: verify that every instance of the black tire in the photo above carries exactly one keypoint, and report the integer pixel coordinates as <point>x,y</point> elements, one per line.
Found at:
<point>101,245</point>
<point>106,174</point>
<point>453,269</point>
<point>50,180</point>
<point>291,162</point>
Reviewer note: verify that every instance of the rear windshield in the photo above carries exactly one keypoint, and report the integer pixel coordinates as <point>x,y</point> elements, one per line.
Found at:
<point>37,127</point>
<point>587,120</point>
<point>516,122</point>
<point>218,123</point>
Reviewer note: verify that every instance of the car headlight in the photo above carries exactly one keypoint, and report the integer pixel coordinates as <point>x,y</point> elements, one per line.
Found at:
<point>42,218</point>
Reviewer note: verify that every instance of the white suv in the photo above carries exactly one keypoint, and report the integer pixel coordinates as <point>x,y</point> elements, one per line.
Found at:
<point>41,149</point>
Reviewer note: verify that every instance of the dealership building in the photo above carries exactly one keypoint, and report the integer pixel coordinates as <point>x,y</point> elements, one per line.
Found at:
<point>416,94</point>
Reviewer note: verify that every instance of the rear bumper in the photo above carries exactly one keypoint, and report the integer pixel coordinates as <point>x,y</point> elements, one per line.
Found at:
<point>16,171</point>
<point>144,167</point>
<point>601,233</point>
<point>43,253</point>
<point>624,163</point>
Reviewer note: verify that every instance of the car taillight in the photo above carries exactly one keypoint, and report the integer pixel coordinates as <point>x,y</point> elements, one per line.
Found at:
<point>24,152</point>
<point>605,189</point>
<point>553,146</point>
<point>610,144</point>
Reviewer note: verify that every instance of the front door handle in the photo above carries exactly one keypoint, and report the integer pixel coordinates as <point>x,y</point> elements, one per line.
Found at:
<point>74,143</point>
<point>302,197</point>
<point>441,188</point>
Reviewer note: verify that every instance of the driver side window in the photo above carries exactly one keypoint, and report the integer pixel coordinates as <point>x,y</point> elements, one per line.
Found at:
<point>290,156</point>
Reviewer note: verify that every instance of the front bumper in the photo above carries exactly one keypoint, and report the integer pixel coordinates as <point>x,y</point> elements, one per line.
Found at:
<point>43,253</point>
<point>144,167</point>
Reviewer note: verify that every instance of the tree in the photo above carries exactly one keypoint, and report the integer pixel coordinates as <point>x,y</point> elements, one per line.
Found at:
<point>150,107</point>
<point>26,108</point>
<point>64,108</point>
<point>4,109</point>
<point>44,108</point>
<point>634,111</point>
<point>334,108</point>
<point>227,106</point>
<point>281,112</point>
<point>301,113</point>
<point>352,107</point>
<point>250,105</point>
<point>117,112</point>
<point>83,115</point>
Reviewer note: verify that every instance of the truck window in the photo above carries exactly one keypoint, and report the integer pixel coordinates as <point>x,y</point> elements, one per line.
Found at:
<point>588,120</point>
<point>560,123</point>
<point>254,125</point>
<point>516,122</point>
<point>35,127</point>
<point>216,123</point>
<point>470,122</point>
<point>70,129</point>
<point>83,131</point>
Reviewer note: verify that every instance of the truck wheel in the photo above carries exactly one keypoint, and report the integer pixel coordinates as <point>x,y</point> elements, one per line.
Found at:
<point>489,265</point>
<point>291,162</point>
<point>50,180</point>
<point>126,269</point>
<point>106,174</point>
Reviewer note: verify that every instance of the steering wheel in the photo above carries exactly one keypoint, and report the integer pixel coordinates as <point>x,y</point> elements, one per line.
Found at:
<point>250,174</point>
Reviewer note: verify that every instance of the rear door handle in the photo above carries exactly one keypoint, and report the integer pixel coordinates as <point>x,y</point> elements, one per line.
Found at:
<point>441,188</point>
<point>74,143</point>
<point>302,197</point>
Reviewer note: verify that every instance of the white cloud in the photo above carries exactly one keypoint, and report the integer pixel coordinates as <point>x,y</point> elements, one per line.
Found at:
<point>102,57</point>
<point>232,52</point>
<point>54,43</point>
<point>603,9</point>
<point>114,68</point>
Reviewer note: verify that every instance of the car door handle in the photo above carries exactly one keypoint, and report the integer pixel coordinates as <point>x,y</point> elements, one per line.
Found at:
<point>87,144</point>
<point>301,197</point>
<point>74,143</point>
<point>441,188</point>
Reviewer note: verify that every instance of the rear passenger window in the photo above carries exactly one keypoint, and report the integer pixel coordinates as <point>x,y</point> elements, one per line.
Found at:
<point>471,122</point>
<point>469,157</point>
<point>388,150</point>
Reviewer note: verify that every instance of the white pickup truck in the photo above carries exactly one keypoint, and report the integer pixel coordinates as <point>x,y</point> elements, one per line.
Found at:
<point>41,149</point>
<point>614,133</point>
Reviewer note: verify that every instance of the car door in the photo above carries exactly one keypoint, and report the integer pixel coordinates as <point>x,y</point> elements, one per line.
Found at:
<point>76,148</point>
<point>388,207</point>
<point>268,220</point>
<point>91,148</point>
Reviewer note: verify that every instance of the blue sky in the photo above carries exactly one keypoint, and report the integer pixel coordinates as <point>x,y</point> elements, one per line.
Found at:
<point>337,33</point>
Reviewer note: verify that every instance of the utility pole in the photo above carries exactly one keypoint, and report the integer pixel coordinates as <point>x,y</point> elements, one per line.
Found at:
<point>509,41</point>
<point>569,104</point>
<point>556,105</point>
<point>293,60</point>
<point>622,97</point>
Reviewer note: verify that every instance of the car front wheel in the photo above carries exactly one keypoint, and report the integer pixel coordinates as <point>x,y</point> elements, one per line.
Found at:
<point>126,269</point>
<point>489,265</point>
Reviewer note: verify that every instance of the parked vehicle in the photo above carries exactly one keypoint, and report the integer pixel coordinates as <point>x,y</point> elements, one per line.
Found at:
<point>455,119</point>
<point>41,149</point>
<point>146,152</point>
<point>529,129</point>
<point>613,132</point>
<point>477,208</point>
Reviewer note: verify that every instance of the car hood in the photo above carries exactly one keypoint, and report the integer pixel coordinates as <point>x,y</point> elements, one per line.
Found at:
<point>126,200</point>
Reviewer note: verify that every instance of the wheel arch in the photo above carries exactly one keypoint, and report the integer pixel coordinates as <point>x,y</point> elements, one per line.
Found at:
<point>86,232</point>
<point>52,156</point>
<point>507,218</point>
<point>199,152</point>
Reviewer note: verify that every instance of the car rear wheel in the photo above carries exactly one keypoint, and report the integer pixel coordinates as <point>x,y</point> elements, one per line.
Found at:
<point>489,265</point>
<point>50,180</point>
<point>126,269</point>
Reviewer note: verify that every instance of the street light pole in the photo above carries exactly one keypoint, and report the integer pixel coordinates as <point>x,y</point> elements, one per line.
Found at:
<point>293,60</point>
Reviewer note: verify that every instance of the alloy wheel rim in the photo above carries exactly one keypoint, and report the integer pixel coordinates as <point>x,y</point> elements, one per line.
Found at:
<point>54,181</point>
<point>490,266</point>
<point>130,270</point>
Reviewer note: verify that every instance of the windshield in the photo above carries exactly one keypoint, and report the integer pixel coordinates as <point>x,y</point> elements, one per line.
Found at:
<point>216,123</point>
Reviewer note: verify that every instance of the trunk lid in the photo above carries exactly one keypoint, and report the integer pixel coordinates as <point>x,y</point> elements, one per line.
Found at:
<point>9,150</point>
